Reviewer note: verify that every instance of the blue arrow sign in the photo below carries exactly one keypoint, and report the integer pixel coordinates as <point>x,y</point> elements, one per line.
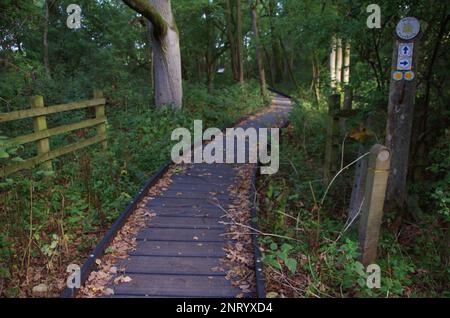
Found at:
<point>405,49</point>
<point>404,64</point>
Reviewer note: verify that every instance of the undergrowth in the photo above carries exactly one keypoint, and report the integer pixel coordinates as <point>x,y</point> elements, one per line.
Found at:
<point>310,253</point>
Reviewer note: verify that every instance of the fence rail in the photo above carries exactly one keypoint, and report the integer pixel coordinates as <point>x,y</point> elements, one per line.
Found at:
<point>41,135</point>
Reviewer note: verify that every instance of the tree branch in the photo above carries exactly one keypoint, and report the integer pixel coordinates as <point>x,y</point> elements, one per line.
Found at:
<point>147,10</point>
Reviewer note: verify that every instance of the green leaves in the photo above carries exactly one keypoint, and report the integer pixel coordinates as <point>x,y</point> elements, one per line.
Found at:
<point>39,3</point>
<point>276,257</point>
<point>3,154</point>
<point>291,264</point>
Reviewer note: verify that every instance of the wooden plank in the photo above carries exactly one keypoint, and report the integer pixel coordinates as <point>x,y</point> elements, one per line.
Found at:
<point>176,285</point>
<point>198,187</point>
<point>209,174</point>
<point>172,194</point>
<point>174,265</point>
<point>214,181</point>
<point>210,202</point>
<point>27,113</point>
<point>188,211</point>
<point>28,164</point>
<point>185,222</point>
<point>54,131</point>
<point>185,235</point>
<point>165,248</point>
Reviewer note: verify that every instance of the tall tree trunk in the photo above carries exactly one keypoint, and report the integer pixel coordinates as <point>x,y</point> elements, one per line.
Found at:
<point>239,41</point>
<point>348,93</point>
<point>209,58</point>
<point>346,71</point>
<point>45,39</point>
<point>232,41</point>
<point>333,55</point>
<point>269,64</point>
<point>315,85</point>
<point>259,60</point>
<point>277,59</point>
<point>166,50</point>
<point>339,61</point>
<point>288,64</point>
<point>148,38</point>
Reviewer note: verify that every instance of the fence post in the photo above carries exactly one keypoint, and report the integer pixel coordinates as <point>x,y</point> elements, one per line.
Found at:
<point>332,143</point>
<point>374,195</point>
<point>40,123</point>
<point>347,106</point>
<point>100,112</point>
<point>359,183</point>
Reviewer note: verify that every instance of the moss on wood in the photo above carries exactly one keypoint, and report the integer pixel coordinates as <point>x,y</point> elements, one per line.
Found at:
<point>147,10</point>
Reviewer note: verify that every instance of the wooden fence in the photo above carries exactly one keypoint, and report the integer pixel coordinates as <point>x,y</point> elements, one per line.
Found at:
<point>41,135</point>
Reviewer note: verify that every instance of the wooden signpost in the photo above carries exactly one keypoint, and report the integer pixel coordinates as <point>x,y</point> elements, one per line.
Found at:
<point>388,166</point>
<point>401,107</point>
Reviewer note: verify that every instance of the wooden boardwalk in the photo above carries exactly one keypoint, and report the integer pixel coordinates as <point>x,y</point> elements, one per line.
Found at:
<point>177,253</point>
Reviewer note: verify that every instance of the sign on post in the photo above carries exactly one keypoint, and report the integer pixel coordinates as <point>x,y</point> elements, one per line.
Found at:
<point>402,95</point>
<point>404,57</point>
<point>408,28</point>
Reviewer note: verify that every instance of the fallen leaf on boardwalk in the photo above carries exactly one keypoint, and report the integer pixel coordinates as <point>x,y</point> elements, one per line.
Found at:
<point>108,292</point>
<point>122,279</point>
<point>126,279</point>
<point>195,238</point>
<point>123,243</point>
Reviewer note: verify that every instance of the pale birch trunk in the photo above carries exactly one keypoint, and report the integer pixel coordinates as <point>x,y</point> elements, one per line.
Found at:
<point>333,62</point>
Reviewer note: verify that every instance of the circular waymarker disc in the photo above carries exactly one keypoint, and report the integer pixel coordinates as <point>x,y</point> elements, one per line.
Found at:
<point>397,76</point>
<point>408,28</point>
<point>409,76</point>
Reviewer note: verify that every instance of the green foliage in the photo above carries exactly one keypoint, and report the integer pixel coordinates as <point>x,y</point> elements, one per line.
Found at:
<point>277,256</point>
<point>412,263</point>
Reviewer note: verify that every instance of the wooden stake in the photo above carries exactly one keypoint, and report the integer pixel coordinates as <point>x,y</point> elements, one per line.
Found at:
<point>39,124</point>
<point>332,143</point>
<point>99,113</point>
<point>372,210</point>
